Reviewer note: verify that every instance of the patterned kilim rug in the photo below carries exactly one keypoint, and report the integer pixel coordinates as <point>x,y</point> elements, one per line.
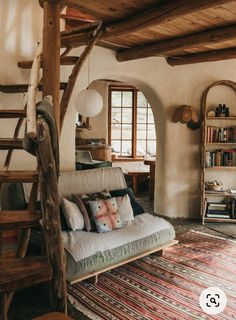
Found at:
<point>166,287</point>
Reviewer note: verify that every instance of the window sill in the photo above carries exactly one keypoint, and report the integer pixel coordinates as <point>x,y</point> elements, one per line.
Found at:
<point>127,159</point>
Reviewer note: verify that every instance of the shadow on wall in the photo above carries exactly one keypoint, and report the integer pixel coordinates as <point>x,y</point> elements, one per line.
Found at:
<point>19,32</point>
<point>20,29</point>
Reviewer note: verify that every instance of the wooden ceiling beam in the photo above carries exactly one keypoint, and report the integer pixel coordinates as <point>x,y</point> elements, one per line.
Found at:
<point>213,55</point>
<point>179,43</point>
<point>161,14</point>
<point>154,16</point>
<point>75,40</point>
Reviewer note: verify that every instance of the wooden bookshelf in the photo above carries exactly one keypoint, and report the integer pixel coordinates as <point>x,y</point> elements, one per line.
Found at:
<point>206,219</point>
<point>221,118</point>
<point>207,198</point>
<point>219,194</point>
<point>221,167</point>
<point>220,143</point>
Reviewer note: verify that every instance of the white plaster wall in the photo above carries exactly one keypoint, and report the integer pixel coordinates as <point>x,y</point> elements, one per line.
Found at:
<point>177,174</point>
<point>178,165</point>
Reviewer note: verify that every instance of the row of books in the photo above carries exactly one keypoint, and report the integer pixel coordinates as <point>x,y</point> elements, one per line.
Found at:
<point>222,210</point>
<point>215,134</point>
<point>222,158</point>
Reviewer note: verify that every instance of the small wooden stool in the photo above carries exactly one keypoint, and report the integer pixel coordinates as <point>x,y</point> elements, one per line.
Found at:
<point>53,316</point>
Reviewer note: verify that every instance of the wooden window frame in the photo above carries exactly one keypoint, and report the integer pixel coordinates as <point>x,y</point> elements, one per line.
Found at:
<point>135,91</point>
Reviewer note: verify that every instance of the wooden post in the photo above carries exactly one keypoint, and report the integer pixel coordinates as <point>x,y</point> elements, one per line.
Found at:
<point>48,176</point>
<point>51,55</point>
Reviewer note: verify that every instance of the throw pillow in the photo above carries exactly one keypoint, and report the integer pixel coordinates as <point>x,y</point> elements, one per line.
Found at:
<point>137,208</point>
<point>73,215</point>
<point>105,214</point>
<point>92,197</point>
<point>125,209</point>
<point>79,202</point>
<point>95,195</point>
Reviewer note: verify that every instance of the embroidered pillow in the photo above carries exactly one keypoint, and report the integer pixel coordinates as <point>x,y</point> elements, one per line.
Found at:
<point>73,215</point>
<point>79,202</point>
<point>92,197</point>
<point>125,209</point>
<point>105,214</point>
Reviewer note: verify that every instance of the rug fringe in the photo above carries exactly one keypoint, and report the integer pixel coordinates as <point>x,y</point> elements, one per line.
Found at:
<point>212,236</point>
<point>81,308</point>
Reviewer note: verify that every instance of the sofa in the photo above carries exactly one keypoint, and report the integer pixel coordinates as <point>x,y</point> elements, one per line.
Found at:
<point>90,253</point>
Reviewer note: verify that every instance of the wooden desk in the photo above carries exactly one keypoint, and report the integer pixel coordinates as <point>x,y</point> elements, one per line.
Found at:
<point>152,163</point>
<point>135,175</point>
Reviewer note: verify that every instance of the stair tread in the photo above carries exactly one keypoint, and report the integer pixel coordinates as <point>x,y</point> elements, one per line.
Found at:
<point>18,219</point>
<point>65,61</point>
<point>23,272</point>
<point>12,113</point>
<point>20,88</point>
<point>11,143</point>
<point>18,176</point>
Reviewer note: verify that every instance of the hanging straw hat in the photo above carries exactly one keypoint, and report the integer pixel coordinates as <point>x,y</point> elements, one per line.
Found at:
<point>187,114</point>
<point>184,114</point>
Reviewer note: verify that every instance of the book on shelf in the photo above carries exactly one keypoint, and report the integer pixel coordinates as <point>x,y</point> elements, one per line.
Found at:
<point>221,210</point>
<point>220,158</point>
<point>220,135</point>
<point>218,216</point>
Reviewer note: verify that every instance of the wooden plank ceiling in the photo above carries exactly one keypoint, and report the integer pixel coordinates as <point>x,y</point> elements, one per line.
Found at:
<point>182,31</point>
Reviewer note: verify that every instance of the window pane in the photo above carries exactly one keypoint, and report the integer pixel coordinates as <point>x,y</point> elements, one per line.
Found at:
<point>151,149</point>
<point>151,131</point>
<point>141,115</point>
<point>116,98</point>
<point>141,131</point>
<point>127,98</point>
<point>150,116</point>
<point>127,115</point>
<point>116,147</point>
<point>142,101</point>
<point>127,131</point>
<point>116,115</point>
<point>126,148</point>
<point>141,147</point>
<point>115,131</point>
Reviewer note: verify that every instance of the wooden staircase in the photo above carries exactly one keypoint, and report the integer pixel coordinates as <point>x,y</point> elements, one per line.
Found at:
<point>19,272</point>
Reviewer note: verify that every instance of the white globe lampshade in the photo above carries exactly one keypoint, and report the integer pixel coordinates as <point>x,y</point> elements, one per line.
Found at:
<point>88,103</point>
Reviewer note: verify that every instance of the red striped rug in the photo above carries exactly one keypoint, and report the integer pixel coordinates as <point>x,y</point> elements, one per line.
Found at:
<point>166,287</point>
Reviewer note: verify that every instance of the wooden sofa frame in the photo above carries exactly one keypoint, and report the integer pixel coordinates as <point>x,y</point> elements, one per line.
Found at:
<point>93,276</point>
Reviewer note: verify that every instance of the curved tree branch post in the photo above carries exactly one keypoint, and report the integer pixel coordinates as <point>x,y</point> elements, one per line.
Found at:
<point>32,92</point>
<point>48,179</point>
<point>74,74</point>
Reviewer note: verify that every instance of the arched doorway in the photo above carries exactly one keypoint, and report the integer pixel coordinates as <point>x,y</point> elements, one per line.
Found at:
<point>128,124</point>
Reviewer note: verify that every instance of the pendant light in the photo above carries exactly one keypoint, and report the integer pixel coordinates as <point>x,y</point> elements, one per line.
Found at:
<point>89,102</point>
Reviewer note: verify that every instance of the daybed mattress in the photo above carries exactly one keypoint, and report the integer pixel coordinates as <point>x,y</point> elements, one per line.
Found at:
<point>90,251</point>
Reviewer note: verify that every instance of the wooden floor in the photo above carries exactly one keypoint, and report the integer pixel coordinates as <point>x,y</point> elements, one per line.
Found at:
<point>34,302</point>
